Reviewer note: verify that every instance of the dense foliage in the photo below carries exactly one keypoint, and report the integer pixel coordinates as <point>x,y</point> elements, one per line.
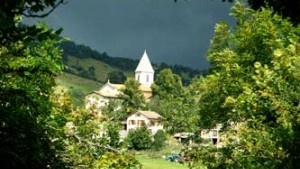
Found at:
<point>40,129</point>
<point>27,69</point>
<point>117,77</point>
<point>139,139</point>
<point>174,103</point>
<point>29,60</point>
<point>114,111</point>
<point>253,91</point>
<point>132,98</point>
<point>91,142</point>
<point>159,140</point>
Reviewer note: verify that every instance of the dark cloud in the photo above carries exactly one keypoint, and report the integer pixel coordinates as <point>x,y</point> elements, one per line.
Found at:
<point>175,33</point>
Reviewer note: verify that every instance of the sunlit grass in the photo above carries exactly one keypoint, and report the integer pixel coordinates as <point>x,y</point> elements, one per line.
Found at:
<point>159,163</point>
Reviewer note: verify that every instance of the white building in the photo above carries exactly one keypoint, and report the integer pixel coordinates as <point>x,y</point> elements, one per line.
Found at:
<point>149,118</point>
<point>100,98</point>
<point>212,134</point>
<point>144,74</point>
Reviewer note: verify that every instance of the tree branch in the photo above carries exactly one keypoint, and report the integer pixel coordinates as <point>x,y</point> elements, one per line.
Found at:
<point>29,14</point>
<point>95,144</point>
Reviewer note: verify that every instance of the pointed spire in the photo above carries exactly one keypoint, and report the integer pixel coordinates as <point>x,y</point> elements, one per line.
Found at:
<point>144,64</point>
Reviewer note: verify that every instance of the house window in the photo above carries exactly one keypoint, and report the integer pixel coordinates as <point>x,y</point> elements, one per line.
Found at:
<point>132,122</point>
<point>214,133</point>
<point>138,77</point>
<point>140,123</point>
<point>147,78</point>
<point>152,123</point>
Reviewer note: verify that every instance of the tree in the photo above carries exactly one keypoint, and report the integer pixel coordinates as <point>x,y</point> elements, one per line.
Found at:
<point>159,140</point>
<point>38,129</point>
<point>286,8</point>
<point>133,99</point>
<point>114,111</point>
<point>91,71</point>
<point>116,77</point>
<point>30,59</point>
<point>90,141</point>
<point>139,139</point>
<point>12,11</point>
<point>167,85</point>
<point>253,91</point>
<point>113,134</point>
<point>179,115</point>
<point>174,103</point>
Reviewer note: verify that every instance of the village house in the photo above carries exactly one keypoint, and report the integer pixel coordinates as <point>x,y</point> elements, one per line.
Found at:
<point>148,118</point>
<point>212,134</point>
<point>100,98</point>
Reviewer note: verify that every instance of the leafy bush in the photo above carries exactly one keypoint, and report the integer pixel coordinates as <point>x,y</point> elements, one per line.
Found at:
<point>139,139</point>
<point>159,140</point>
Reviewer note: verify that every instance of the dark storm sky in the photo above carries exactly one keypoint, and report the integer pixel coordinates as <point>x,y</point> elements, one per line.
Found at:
<point>174,33</point>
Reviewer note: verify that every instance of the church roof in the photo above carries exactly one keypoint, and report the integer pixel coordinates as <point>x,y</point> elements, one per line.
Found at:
<point>144,64</point>
<point>110,90</point>
<point>118,86</point>
<point>106,94</point>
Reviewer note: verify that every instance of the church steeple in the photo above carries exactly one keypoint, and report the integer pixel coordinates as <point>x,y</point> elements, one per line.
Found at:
<point>144,72</point>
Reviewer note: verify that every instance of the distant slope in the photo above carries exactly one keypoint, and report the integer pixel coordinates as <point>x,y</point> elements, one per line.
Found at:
<point>92,69</point>
<point>97,66</point>
<point>81,51</point>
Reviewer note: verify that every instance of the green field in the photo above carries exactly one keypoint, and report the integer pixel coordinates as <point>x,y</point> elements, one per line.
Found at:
<point>159,163</point>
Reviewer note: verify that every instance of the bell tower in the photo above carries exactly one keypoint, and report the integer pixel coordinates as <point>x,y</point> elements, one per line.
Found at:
<point>144,72</point>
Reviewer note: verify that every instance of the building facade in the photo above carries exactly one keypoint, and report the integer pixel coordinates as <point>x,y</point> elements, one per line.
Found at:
<point>148,118</point>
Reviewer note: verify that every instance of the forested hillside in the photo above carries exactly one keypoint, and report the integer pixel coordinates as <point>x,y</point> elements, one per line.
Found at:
<point>85,62</point>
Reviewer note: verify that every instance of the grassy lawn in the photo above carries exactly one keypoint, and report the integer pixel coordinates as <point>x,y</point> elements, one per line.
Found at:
<point>159,163</point>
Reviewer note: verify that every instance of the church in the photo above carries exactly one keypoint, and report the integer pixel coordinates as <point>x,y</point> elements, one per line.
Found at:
<point>144,74</point>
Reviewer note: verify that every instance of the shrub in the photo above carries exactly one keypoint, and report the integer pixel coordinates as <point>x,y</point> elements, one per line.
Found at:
<point>139,139</point>
<point>159,140</point>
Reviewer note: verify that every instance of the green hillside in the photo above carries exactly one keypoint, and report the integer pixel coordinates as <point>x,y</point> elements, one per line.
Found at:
<point>77,86</point>
<point>101,69</point>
